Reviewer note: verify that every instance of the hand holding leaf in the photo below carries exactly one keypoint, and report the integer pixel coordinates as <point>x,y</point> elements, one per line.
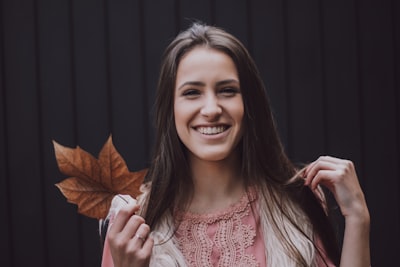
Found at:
<point>94,182</point>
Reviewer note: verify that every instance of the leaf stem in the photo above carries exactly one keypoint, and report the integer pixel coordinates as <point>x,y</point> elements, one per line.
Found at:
<point>126,201</point>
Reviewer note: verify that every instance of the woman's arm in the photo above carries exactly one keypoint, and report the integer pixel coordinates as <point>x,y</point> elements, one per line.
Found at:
<point>340,177</point>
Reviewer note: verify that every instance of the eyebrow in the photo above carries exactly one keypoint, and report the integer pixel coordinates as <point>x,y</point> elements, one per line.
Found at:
<point>197,83</point>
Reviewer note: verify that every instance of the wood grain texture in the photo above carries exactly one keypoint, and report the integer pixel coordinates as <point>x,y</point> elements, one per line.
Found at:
<point>76,71</point>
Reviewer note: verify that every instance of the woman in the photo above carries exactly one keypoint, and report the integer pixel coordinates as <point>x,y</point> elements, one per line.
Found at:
<point>221,190</point>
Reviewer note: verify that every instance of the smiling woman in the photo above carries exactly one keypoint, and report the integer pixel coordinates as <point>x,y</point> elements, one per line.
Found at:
<point>221,190</point>
<point>208,107</point>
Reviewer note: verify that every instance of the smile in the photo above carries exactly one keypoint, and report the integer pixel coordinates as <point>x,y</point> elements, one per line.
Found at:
<point>211,130</point>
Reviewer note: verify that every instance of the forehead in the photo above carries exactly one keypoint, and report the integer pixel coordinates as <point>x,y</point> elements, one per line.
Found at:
<point>199,52</point>
<point>205,63</point>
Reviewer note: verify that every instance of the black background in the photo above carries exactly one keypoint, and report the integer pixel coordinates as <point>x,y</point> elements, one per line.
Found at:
<point>75,71</point>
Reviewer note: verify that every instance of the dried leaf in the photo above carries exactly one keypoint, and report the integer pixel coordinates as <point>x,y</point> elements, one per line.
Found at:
<point>94,182</point>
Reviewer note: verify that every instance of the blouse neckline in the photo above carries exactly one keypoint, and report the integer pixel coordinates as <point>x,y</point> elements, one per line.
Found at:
<point>247,198</point>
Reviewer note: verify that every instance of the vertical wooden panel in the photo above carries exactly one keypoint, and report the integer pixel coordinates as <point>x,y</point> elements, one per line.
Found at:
<point>58,121</point>
<point>268,49</point>
<point>232,16</point>
<point>396,66</point>
<point>159,30</point>
<point>129,108</point>
<point>396,42</point>
<point>5,241</point>
<point>23,129</point>
<point>396,63</point>
<point>91,68</point>
<point>378,107</point>
<point>341,80</point>
<point>191,11</point>
<point>92,97</point>
<point>306,95</point>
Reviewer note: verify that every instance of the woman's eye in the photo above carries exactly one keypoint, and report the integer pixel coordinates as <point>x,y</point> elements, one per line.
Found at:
<point>229,91</point>
<point>191,93</point>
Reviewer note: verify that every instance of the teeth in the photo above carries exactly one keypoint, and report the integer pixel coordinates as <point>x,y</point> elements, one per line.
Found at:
<point>211,130</point>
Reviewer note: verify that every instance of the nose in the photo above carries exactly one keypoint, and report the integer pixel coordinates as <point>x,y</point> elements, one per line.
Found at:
<point>211,108</point>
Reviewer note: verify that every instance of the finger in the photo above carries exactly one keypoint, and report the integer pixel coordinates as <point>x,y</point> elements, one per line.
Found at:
<point>141,254</point>
<point>144,230</point>
<point>324,159</point>
<point>322,177</point>
<point>307,169</point>
<point>342,162</point>
<point>148,245</point>
<point>331,159</point>
<point>132,226</point>
<point>311,166</point>
<point>122,217</point>
<point>316,167</point>
<point>141,235</point>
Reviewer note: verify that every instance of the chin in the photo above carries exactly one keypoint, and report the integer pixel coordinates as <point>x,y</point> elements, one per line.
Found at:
<point>213,156</point>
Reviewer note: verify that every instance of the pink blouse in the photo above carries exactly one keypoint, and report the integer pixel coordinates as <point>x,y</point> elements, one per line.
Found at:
<point>227,238</point>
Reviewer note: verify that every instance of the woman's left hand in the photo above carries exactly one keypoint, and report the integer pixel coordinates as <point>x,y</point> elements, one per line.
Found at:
<point>339,176</point>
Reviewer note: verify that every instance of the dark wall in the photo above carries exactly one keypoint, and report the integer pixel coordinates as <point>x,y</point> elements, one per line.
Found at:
<point>77,70</point>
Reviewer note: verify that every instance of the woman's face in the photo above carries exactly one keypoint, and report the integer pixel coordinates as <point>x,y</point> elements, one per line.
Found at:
<point>208,104</point>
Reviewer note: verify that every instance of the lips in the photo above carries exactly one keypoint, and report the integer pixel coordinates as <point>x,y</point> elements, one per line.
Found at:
<point>211,130</point>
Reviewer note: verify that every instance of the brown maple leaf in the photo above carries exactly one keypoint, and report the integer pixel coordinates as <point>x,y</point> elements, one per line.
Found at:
<point>94,182</point>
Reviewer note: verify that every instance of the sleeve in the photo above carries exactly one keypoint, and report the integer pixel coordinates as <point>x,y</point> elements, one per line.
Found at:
<point>117,203</point>
<point>106,260</point>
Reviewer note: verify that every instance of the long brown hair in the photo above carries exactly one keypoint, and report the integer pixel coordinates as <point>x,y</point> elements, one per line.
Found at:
<point>265,164</point>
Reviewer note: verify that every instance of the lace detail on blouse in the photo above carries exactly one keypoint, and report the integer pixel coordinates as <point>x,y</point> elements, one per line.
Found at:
<point>219,239</point>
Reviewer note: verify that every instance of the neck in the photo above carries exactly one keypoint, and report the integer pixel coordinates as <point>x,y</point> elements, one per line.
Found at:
<point>217,184</point>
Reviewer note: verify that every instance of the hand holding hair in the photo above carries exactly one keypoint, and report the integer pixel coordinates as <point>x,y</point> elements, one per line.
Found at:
<point>340,177</point>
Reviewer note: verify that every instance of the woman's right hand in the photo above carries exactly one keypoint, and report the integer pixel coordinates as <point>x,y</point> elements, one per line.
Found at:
<point>129,240</point>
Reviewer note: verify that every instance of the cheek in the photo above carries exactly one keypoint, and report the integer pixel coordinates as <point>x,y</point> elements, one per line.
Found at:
<point>237,110</point>
<point>180,117</point>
